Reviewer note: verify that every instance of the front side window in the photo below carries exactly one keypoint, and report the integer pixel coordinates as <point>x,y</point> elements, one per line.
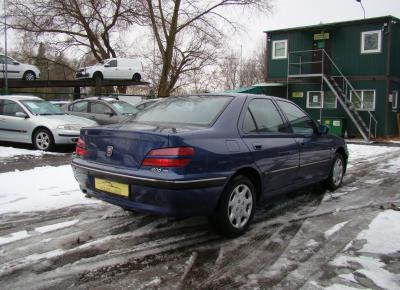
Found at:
<point>9,60</point>
<point>371,41</point>
<point>279,49</point>
<point>189,110</point>
<point>262,116</point>
<point>80,107</point>
<point>395,99</point>
<point>9,108</point>
<point>363,100</point>
<point>299,121</point>
<point>315,99</point>
<point>99,108</point>
<point>112,63</point>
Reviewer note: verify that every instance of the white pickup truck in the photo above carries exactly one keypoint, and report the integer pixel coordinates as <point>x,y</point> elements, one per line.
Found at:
<point>113,68</point>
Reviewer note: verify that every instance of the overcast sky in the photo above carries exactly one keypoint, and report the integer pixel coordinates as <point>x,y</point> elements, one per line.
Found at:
<point>292,13</point>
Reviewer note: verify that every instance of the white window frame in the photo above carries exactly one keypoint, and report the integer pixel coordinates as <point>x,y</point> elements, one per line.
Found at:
<point>395,99</point>
<point>379,49</point>
<point>308,98</point>
<point>362,99</point>
<point>274,56</point>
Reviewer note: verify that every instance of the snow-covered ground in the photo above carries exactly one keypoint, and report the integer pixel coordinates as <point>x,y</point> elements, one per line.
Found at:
<point>41,188</point>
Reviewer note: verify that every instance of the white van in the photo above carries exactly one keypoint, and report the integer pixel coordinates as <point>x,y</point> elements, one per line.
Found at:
<point>113,68</point>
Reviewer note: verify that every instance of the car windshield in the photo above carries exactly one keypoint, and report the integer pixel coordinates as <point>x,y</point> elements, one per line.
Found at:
<point>124,108</point>
<point>41,107</point>
<point>190,110</point>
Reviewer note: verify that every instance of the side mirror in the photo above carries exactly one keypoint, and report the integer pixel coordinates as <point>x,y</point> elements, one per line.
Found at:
<point>21,115</point>
<point>106,65</point>
<point>109,112</point>
<point>323,130</point>
<point>16,63</point>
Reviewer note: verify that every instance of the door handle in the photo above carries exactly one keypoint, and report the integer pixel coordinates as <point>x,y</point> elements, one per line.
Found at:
<point>257,146</point>
<point>284,153</point>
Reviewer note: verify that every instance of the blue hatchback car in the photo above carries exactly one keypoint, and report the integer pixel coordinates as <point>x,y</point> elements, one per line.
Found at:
<point>216,155</point>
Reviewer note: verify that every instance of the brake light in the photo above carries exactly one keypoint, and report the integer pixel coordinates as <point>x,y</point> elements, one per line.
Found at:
<point>169,157</point>
<point>80,149</point>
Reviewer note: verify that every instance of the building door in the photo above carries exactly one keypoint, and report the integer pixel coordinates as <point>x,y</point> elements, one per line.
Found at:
<point>321,40</point>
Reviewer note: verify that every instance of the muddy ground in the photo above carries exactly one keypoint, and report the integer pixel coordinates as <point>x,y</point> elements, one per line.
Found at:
<point>286,247</point>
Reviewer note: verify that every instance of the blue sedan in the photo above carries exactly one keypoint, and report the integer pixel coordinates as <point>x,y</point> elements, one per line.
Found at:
<point>216,155</point>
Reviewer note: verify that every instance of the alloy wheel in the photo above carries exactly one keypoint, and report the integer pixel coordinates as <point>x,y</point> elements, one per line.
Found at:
<point>42,140</point>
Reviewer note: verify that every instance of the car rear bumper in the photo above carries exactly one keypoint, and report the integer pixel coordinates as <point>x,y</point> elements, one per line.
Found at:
<point>164,197</point>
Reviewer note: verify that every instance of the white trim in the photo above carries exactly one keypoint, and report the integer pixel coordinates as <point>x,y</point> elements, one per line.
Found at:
<point>362,99</point>
<point>273,49</point>
<point>395,99</point>
<point>308,98</point>
<point>379,49</point>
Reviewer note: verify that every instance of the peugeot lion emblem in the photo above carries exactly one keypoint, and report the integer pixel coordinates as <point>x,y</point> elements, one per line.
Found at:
<point>109,151</point>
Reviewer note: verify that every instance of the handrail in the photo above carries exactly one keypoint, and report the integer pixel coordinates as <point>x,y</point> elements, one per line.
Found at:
<point>346,83</point>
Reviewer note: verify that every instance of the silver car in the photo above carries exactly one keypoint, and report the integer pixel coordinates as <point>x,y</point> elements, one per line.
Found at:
<point>28,119</point>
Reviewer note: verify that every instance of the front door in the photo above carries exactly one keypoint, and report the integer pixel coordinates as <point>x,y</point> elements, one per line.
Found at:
<point>274,150</point>
<point>102,114</point>
<point>315,149</point>
<point>321,40</point>
<point>13,128</point>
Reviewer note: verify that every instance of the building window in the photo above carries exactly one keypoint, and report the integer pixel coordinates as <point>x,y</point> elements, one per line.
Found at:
<point>315,99</point>
<point>330,100</point>
<point>279,49</point>
<point>371,41</point>
<point>366,102</point>
<point>395,97</point>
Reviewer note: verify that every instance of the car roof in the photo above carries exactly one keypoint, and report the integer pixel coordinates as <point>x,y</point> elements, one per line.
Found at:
<point>19,97</point>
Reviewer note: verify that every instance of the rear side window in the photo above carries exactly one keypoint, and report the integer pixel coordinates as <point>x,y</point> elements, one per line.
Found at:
<point>190,110</point>
<point>79,107</point>
<point>299,121</point>
<point>262,116</point>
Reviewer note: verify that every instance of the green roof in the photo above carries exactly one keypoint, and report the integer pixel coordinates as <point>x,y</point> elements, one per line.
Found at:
<point>332,24</point>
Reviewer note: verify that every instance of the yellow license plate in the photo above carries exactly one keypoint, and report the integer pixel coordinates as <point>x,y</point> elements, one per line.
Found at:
<point>111,186</point>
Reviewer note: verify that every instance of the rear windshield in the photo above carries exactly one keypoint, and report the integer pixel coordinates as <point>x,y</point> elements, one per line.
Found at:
<point>189,110</point>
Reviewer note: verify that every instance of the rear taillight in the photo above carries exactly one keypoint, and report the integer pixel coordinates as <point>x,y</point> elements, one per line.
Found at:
<point>169,157</point>
<point>80,149</point>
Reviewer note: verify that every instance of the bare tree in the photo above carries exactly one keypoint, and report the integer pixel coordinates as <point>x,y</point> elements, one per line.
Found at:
<point>188,34</point>
<point>230,69</point>
<point>85,24</point>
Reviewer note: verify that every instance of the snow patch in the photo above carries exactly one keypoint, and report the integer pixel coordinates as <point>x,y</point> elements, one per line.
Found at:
<point>334,229</point>
<point>54,227</point>
<point>358,152</point>
<point>14,237</point>
<point>9,152</point>
<point>393,166</point>
<point>383,234</point>
<point>41,188</point>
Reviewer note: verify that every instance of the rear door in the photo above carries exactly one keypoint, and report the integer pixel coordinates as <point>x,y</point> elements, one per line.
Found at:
<point>274,150</point>
<point>315,149</point>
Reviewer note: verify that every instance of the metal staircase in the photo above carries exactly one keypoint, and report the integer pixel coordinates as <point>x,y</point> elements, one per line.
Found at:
<point>317,64</point>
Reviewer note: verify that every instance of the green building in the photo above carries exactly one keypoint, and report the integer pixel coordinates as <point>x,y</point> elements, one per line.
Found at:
<point>345,72</point>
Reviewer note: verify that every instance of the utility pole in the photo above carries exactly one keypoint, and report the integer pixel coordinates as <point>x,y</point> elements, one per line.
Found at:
<point>5,49</point>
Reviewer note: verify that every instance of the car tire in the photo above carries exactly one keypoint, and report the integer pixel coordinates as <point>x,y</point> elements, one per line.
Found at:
<point>236,208</point>
<point>29,76</point>
<point>43,140</point>
<point>98,76</point>
<point>334,181</point>
<point>136,77</point>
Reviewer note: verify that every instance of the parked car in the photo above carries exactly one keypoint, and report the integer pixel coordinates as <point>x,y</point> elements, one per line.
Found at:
<point>146,103</point>
<point>28,119</point>
<point>60,104</point>
<point>213,155</point>
<point>113,68</point>
<point>17,70</point>
<point>104,110</point>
